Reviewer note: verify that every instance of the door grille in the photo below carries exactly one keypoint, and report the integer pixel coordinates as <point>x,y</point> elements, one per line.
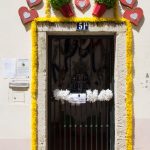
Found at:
<point>80,63</point>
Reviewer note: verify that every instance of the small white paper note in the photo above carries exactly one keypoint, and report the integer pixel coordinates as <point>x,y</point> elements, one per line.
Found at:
<point>22,68</point>
<point>8,67</point>
<point>78,98</point>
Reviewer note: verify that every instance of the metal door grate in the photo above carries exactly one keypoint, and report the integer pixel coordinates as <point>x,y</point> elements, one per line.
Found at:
<point>80,63</point>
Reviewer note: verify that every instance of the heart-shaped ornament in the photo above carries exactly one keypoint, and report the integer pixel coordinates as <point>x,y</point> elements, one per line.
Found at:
<point>26,15</point>
<point>82,4</point>
<point>33,3</point>
<point>128,3</point>
<point>134,15</point>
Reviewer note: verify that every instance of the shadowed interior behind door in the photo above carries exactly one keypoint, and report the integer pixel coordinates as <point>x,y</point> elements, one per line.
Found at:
<point>77,64</point>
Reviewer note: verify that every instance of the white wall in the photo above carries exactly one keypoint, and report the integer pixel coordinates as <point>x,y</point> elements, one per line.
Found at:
<point>141,88</point>
<point>15,42</point>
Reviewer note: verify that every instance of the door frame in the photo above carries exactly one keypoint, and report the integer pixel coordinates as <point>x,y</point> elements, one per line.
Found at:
<point>120,75</point>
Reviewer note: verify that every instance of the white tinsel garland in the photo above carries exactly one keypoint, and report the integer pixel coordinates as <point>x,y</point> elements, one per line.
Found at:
<point>105,95</point>
<point>78,98</point>
<point>89,95</point>
<point>61,94</point>
<point>92,96</point>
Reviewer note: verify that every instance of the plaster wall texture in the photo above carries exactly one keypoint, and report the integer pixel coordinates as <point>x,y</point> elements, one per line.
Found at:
<point>15,42</point>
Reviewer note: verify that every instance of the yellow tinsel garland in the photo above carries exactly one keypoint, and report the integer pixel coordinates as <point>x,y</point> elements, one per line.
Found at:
<point>34,84</point>
<point>47,8</point>
<point>77,19</point>
<point>116,15</point>
<point>129,87</point>
<point>129,77</point>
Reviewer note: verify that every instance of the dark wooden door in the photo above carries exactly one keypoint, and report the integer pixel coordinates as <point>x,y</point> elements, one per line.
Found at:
<point>79,63</point>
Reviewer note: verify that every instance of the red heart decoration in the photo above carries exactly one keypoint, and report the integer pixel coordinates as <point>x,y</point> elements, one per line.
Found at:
<point>128,3</point>
<point>26,15</point>
<point>33,3</point>
<point>82,4</point>
<point>134,15</point>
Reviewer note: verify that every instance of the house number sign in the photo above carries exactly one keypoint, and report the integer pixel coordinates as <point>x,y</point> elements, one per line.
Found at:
<point>82,26</point>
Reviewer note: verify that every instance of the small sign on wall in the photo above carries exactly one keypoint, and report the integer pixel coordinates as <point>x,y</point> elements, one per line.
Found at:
<point>22,68</point>
<point>82,26</point>
<point>14,68</point>
<point>8,67</point>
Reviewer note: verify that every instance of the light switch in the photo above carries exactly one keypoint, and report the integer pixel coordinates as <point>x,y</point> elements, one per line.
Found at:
<point>18,96</point>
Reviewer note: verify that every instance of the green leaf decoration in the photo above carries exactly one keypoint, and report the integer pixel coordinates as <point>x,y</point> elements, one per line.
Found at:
<point>57,4</point>
<point>108,3</point>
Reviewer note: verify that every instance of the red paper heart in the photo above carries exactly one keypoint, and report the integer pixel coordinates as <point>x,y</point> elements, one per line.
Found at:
<point>128,3</point>
<point>134,15</point>
<point>26,15</point>
<point>82,4</point>
<point>33,3</point>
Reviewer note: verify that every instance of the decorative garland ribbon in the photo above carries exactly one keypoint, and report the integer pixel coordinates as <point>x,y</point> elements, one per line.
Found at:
<point>89,96</point>
<point>34,85</point>
<point>77,19</point>
<point>129,77</point>
<point>47,8</point>
<point>129,87</point>
<point>116,15</point>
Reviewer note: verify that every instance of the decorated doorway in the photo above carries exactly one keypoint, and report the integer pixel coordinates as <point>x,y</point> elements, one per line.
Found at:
<point>59,55</point>
<point>77,64</point>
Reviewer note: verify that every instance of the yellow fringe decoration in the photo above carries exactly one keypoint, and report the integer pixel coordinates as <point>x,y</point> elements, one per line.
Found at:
<point>116,15</point>
<point>129,77</point>
<point>77,19</point>
<point>47,8</point>
<point>129,87</point>
<point>34,85</point>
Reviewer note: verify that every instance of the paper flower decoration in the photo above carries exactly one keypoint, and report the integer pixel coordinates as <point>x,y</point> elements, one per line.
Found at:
<point>63,6</point>
<point>101,6</point>
<point>81,98</point>
<point>61,94</point>
<point>105,95</point>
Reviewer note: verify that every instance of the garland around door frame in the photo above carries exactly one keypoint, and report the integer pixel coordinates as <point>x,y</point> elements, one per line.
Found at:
<point>129,65</point>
